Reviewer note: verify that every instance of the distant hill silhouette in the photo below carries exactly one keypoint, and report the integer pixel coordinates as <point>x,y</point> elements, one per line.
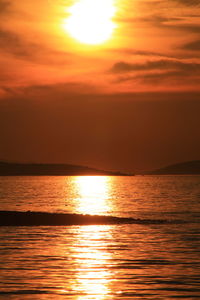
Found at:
<point>189,167</point>
<point>14,169</point>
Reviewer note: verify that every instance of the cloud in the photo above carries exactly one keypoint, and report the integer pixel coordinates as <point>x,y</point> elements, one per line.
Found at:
<point>170,77</point>
<point>156,55</point>
<point>193,46</point>
<point>14,44</point>
<point>60,89</point>
<point>4,7</point>
<point>187,27</point>
<point>172,16</point>
<point>170,72</point>
<point>189,2</point>
<point>163,64</point>
<point>64,90</point>
<point>171,80</point>
<point>178,23</point>
<point>129,51</point>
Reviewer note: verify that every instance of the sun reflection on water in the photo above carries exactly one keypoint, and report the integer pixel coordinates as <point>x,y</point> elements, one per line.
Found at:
<point>93,194</point>
<point>92,276</point>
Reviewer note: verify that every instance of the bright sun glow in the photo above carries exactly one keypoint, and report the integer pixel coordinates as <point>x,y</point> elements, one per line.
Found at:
<point>90,21</point>
<point>93,194</point>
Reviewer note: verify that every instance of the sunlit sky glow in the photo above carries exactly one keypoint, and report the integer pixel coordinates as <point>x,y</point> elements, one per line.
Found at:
<point>81,75</point>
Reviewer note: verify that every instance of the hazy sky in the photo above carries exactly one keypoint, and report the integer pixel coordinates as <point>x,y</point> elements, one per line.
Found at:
<point>130,103</point>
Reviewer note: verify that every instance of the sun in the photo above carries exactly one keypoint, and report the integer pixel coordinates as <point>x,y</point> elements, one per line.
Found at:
<point>90,21</point>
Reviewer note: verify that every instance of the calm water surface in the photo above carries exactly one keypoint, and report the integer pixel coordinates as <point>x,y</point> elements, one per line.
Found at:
<point>106,261</point>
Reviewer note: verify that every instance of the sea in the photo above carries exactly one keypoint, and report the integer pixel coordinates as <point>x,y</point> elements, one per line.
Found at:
<point>149,260</point>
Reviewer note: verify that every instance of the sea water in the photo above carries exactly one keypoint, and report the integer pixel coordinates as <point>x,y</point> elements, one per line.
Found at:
<point>122,261</point>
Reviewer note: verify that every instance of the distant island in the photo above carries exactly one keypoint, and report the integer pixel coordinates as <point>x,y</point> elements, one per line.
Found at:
<point>23,169</point>
<point>184,168</point>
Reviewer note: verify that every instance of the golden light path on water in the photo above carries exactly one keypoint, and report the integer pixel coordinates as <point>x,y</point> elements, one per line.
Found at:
<point>89,248</point>
<point>89,258</point>
<point>92,276</point>
<point>93,194</point>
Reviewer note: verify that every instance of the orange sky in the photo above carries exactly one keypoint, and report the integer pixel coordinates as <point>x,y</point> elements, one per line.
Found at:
<point>154,50</point>
<point>154,47</point>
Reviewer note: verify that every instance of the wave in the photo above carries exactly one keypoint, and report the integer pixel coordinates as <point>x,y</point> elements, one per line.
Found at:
<point>29,218</point>
<point>23,292</point>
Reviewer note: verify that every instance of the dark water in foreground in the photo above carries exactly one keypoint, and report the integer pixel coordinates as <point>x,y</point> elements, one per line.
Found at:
<point>122,261</point>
